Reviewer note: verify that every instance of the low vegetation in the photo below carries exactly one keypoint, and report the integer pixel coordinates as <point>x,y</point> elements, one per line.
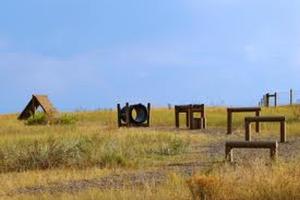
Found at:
<point>83,155</point>
<point>40,118</point>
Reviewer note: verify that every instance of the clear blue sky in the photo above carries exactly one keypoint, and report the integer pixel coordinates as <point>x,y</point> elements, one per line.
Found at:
<point>95,53</point>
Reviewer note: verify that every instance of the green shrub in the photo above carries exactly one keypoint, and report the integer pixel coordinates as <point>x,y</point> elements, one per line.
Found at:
<point>106,150</point>
<point>39,118</point>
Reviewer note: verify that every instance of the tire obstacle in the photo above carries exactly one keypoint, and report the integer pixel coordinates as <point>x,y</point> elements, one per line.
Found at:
<point>126,117</point>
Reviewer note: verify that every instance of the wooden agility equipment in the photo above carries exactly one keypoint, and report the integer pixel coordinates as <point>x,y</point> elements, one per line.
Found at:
<point>191,121</point>
<point>230,111</point>
<point>280,119</point>
<point>267,98</point>
<point>36,102</point>
<point>126,118</point>
<point>273,146</point>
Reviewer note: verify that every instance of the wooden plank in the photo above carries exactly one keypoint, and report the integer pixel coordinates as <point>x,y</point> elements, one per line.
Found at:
<point>265,119</point>
<point>244,109</point>
<point>229,146</point>
<point>252,144</point>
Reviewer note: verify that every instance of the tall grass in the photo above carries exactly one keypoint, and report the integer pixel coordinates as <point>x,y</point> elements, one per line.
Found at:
<point>128,149</point>
<point>253,181</point>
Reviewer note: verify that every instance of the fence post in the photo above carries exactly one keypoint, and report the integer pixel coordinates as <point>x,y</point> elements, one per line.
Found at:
<point>291,97</point>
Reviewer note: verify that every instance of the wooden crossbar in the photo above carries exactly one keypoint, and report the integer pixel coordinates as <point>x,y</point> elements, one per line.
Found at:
<point>265,119</point>
<point>244,109</point>
<point>230,112</point>
<point>259,119</point>
<point>273,146</point>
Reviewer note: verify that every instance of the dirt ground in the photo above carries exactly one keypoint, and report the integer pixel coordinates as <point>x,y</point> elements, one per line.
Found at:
<point>199,158</point>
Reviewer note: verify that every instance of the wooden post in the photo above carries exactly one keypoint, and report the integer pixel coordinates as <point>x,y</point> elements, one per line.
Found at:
<point>257,123</point>
<point>119,115</point>
<point>203,118</point>
<point>248,131</point>
<point>204,123</point>
<point>274,153</point>
<point>148,117</point>
<point>282,132</point>
<point>267,100</point>
<point>176,117</point>
<point>127,115</point>
<point>291,97</point>
<point>191,118</point>
<point>229,122</point>
<point>228,154</point>
<point>275,99</point>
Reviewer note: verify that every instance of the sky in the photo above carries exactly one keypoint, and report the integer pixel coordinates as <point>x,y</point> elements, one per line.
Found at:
<point>91,54</point>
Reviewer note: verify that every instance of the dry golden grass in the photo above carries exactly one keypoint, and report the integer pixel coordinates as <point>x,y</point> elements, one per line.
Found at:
<point>143,149</point>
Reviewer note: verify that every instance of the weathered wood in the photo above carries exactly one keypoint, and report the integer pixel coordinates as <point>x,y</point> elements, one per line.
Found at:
<point>229,146</point>
<point>35,102</point>
<point>265,119</point>
<point>119,115</point>
<point>268,96</point>
<point>244,109</point>
<point>189,110</point>
<point>232,110</point>
<point>280,119</point>
<point>148,116</point>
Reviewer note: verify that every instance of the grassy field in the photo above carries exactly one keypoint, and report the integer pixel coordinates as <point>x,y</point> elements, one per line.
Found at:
<point>93,159</point>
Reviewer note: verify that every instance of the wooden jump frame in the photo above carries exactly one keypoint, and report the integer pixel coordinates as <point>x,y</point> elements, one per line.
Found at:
<point>273,146</point>
<point>280,119</point>
<point>191,121</point>
<point>267,98</point>
<point>230,111</point>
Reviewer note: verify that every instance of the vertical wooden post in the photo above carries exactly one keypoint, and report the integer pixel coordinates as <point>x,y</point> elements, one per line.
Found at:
<point>282,132</point>
<point>204,123</point>
<point>176,117</point>
<point>247,131</point>
<point>257,123</point>
<point>275,99</point>
<point>291,97</point>
<point>127,115</point>
<point>228,154</point>
<point>268,100</point>
<point>148,117</point>
<point>187,119</point>
<point>229,122</point>
<point>191,118</point>
<point>274,151</point>
<point>119,114</point>
<point>203,118</point>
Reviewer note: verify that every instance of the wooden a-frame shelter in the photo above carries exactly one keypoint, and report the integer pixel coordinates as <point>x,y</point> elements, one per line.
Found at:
<point>36,102</point>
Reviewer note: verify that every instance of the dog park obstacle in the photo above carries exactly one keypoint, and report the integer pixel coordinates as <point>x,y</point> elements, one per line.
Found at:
<point>229,146</point>
<point>280,119</point>
<point>230,112</point>
<point>126,116</point>
<point>36,102</point>
<point>267,98</point>
<point>191,121</point>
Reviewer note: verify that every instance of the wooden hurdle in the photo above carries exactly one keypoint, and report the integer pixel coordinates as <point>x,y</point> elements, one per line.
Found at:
<point>273,146</point>
<point>280,119</point>
<point>230,111</point>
